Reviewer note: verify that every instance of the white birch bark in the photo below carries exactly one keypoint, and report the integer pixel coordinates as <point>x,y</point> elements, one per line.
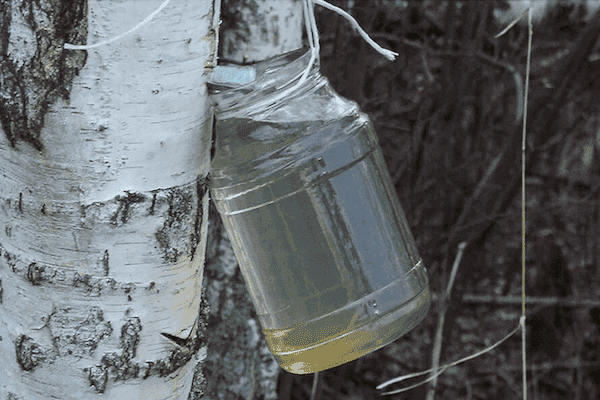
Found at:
<point>254,30</point>
<point>103,211</point>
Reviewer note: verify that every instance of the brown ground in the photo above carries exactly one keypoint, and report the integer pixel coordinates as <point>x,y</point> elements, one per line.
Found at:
<point>444,110</point>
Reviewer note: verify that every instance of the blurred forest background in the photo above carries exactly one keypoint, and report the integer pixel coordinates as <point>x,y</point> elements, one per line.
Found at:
<point>448,115</point>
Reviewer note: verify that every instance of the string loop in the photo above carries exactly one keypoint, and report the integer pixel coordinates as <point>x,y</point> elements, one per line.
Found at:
<point>313,40</point>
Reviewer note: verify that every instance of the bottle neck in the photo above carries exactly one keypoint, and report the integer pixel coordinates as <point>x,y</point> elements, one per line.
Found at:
<point>272,76</point>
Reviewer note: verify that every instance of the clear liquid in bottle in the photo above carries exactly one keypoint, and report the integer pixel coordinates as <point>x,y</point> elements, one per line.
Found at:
<point>314,220</point>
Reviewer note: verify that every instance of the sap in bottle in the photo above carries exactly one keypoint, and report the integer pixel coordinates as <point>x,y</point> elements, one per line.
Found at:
<point>314,220</point>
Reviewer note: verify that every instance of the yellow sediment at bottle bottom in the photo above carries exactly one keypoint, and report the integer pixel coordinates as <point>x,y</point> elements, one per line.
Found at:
<point>296,353</point>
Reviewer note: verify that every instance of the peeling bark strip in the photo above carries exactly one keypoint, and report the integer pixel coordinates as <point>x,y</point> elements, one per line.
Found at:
<point>35,70</point>
<point>196,236</point>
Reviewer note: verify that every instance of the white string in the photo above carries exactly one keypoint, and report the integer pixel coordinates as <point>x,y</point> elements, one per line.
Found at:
<point>70,46</point>
<point>313,39</point>
<point>523,342</point>
<point>312,33</point>
<point>442,369</point>
<point>512,24</point>
<point>390,55</point>
<point>438,370</point>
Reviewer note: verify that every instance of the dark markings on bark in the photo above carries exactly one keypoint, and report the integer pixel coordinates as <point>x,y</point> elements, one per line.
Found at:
<point>29,354</point>
<point>35,274</point>
<point>12,396</point>
<point>84,281</point>
<point>125,203</point>
<point>10,260</point>
<point>105,263</point>
<point>176,359</point>
<point>39,273</point>
<point>183,352</point>
<point>196,236</point>
<point>1,293</point>
<point>201,332</point>
<point>128,288</point>
<point>21,203</point>
<point>117,366</point>
<point>213,235</point>
<point>170,253</point>
<point>8,230</point>
<point>180,208</point>
<point>98,378</point>
<point>213,138</point>
<point>233,20</point>
<point>78,331</point>
<point>151,209</point>
<point>43,209</point>
<point>130,337</point>
<point>169,237</point>
<point>35,69</point>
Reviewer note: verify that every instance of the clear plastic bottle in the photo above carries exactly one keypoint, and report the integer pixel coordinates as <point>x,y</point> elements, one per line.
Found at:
<point>313,217</point>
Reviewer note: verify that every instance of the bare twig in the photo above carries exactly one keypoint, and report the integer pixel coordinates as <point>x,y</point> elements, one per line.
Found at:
<point>437,345</point>
<point>426,68</point>
<point>469,357</point>
<point>570,364</point>
<point>523,297</point>
<point>502,301</point>
<point>315,386</point>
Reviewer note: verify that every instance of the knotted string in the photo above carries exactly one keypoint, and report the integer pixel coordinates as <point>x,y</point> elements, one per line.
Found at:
<point>313,39</point>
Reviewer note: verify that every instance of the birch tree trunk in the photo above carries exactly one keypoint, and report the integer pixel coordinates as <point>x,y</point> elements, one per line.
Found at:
<point>104,158</point>
<point>239,364</point>
<point>254,30</point>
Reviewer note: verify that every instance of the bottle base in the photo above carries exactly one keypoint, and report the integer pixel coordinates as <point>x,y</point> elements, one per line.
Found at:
<point>355,342</point>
